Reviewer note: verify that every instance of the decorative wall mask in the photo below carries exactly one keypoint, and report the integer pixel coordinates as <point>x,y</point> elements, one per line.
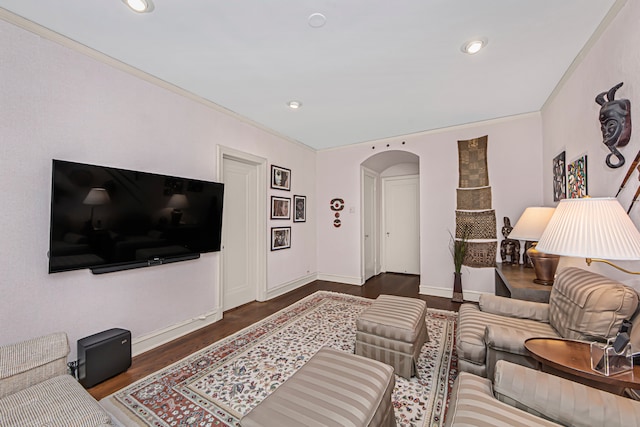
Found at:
<point>337,205</point>
<point>615,123</point>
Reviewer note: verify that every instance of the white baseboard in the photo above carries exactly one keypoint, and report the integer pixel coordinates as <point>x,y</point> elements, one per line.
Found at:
<point>448,293</point>
<point>155,339</point>
<point>290,286</point>
<point>341,279</point>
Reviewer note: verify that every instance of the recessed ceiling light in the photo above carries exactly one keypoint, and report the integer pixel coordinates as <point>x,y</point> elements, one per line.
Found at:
<point>317,20</point>
<point>140,6</point>
<point>473,46</point>
<point>294,104</point>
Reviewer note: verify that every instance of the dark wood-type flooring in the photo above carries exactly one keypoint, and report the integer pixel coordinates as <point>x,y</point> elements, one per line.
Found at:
<point>243,316</point>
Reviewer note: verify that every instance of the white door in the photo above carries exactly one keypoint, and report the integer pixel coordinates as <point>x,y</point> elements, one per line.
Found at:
<point>239,276</point>
<point>401,232</point>
<point>369,223</point>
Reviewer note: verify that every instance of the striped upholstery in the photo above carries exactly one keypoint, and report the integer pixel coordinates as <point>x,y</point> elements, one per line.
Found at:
<point>561,400</point>
<point>526,397</point>
<point>595,308</point>
<point>504,333</point>
<point>333,388</point>
<point>516,308</point>
<point>30,362</point>
<point>393,330</point>
<point>582,305</point>
<point>35,389</point>
<point>472,404</point>
<point>56,402</point>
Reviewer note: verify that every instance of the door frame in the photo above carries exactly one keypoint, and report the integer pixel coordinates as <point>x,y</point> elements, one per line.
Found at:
<point>260,164</point>
<point>364,171</point>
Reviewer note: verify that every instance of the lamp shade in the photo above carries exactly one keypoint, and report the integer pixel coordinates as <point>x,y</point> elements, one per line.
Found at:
<point>591,228</point>
<point>532,223</point>
<point>178,201</point>
<point>97,196</point>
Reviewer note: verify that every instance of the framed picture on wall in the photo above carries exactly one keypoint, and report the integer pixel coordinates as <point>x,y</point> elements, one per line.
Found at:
<point>559,177</point>
<point>280,178</point>
<point>299,208</point>
<point>280,238</point>
<point>280,207</point>
<point>577,178</point>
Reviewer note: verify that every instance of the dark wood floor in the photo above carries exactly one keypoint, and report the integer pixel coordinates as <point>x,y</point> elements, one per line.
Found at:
<point>243,316</point>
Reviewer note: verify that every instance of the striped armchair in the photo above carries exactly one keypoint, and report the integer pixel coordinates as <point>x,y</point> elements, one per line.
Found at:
<point>582,306</point>
<point>521,396</point>
<point>35,389</point>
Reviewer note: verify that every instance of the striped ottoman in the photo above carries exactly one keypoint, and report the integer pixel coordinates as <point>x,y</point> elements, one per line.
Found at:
<point>333,388</point>
<point>393,330</point>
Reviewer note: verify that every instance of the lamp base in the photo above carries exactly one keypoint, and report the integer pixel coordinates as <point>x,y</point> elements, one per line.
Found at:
<point>544,265</point>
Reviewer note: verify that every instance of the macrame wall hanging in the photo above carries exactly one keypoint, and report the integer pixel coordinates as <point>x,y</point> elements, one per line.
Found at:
<point>475,218</point>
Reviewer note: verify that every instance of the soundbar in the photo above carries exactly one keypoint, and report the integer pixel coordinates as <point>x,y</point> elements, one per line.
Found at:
<point>146,263</point>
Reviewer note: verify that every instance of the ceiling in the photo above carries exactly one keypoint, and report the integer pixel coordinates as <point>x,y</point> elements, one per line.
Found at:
<point>375,69</point>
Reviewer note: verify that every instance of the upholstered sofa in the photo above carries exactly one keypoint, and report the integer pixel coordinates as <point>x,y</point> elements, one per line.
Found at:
<point>36,390</point>
<point>582,306</point>
<point>521,396</point>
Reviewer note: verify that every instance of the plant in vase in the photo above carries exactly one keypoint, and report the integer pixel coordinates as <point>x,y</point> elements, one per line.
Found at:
<point>459,251</point>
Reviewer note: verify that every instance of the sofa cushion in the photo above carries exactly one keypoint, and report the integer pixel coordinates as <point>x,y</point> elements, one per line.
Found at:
<point>472,323</point>
<point>59,401</point>
<point>29,362</point>
<point>562,400</point>
<point>472,404</point>
<point>584,305</point>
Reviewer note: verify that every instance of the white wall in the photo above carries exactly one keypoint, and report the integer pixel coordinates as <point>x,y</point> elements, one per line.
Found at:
<point>58,103</point>
<point>570,119</point>
<point>515,175</point>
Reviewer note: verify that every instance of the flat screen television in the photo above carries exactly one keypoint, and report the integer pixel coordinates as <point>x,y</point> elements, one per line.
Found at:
<point>108,219</point>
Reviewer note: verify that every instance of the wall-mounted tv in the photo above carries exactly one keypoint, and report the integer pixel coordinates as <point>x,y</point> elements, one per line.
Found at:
<point>109,219</point>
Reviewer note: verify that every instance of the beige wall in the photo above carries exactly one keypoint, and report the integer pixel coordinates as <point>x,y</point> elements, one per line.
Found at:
<point>515,175</point>
<point>570,118</point>
<point>59,103</point>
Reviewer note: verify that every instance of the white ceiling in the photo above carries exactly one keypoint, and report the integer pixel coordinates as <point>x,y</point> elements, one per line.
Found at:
<point>376,69</point>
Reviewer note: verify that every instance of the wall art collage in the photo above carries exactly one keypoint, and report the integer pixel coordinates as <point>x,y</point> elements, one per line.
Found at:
<point>283,209</point>
<point>569,179</point>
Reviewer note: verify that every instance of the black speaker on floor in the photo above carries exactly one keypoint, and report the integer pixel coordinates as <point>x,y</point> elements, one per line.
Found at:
<point>103,355</point>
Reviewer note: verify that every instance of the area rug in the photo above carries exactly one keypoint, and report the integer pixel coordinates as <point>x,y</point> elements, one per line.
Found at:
<point>219,384</point>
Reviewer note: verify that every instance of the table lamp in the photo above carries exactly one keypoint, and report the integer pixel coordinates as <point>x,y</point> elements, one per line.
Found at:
<point>597,229</point>
<point>97,196</point>
<point>177,202</point>
<point>529,228</point>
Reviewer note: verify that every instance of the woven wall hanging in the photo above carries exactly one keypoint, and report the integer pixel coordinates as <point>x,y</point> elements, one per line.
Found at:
<point>481,254</point>
<point>476,224</point>
<point>473,198</point>
<point>472,158</point>
<point>474,214</point>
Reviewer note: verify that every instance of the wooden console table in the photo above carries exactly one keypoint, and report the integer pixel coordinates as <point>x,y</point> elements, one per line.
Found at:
<point>516,281</point>
<point>572,360</point>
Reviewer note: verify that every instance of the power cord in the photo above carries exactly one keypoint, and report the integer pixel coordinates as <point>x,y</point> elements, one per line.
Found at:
<point>73,368</point>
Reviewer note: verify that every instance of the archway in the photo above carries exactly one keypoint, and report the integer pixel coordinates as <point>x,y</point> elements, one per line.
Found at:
<point>393,170</point>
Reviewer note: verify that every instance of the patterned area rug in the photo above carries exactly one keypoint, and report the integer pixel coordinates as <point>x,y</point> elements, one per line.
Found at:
<point>219,384</point>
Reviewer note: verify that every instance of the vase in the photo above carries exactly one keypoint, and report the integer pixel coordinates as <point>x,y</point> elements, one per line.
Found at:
<point>457,288</point>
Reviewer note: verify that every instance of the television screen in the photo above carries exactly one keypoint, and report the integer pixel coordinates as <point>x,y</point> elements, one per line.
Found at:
<point>110,219</point>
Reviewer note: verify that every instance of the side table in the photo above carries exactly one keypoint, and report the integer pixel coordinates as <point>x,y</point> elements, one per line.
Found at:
<point>572,360</point>
<point>516,281</point>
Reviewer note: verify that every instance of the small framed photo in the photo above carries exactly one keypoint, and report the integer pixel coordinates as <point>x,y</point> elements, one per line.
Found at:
<point>280,178</point>
<point>577,178</point>
<point>280,238</point>
<point>280,207</point>
<point>559,177</point>
<point>299,208</point>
